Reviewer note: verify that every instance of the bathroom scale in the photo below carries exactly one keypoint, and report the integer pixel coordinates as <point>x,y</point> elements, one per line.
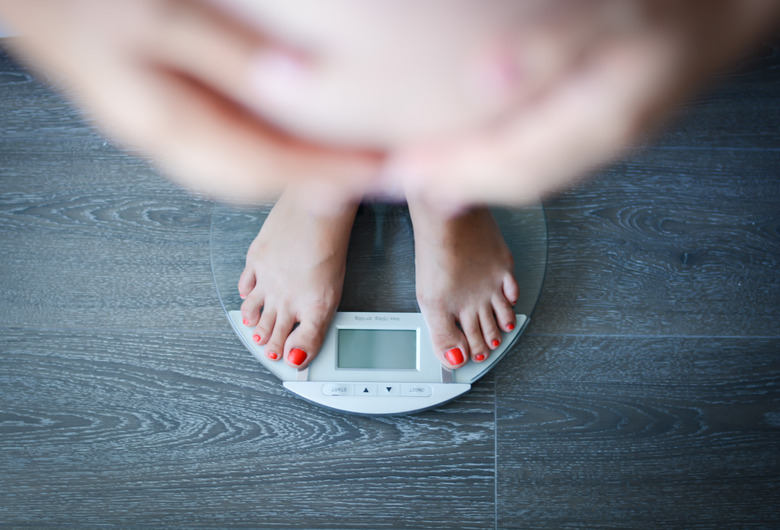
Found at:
<point>377,357</point>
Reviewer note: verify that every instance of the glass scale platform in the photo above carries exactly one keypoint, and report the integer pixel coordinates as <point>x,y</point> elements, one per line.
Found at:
<point>379,302</point>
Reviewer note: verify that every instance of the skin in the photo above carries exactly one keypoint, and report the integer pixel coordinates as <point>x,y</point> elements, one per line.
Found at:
<point>171,80</point>
<point>465,285</point>
<point>592,87</point>
<point>607,86</point>
<point>194,88</point>
<point>294,274</point>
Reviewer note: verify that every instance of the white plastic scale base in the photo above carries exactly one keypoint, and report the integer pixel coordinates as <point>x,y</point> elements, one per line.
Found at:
<point>377,363</point>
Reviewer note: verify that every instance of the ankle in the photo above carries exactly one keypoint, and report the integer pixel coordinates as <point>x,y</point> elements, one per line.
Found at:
<point>322,200</point>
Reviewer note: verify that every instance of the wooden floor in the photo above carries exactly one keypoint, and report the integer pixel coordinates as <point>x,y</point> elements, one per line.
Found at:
<point>646,391</point>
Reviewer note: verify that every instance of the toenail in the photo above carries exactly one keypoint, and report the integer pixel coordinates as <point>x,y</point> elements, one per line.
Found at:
<point>273,356</point>
<point>495,343</point>
<point>510,327</point>
<point>242,296</point>
<point>297,356</point>
<point>256,338</point>
<point>245,321</point>
<point>454,356</point>
<point>479,357</point>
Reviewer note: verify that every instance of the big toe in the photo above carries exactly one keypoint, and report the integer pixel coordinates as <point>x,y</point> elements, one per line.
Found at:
<point>304,343</point>
<point>449,343</point>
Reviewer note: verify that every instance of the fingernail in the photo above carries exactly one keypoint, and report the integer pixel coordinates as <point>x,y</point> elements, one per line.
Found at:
<point>510,327</point>
<point>495,343</point>
<point>479,357</point>
<point>273,356</point>
<point>245,321</point>
<point>297,356</point>
<point>454,356</point>
<point>276,74</point>
<point>256,338</point>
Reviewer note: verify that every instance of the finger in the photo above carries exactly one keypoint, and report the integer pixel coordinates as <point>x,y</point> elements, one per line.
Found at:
<point>214,147</point>
<point>204,43</point>
<point>582,122</point>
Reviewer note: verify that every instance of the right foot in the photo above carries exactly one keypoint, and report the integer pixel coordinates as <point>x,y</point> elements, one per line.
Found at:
<point>294,275</point>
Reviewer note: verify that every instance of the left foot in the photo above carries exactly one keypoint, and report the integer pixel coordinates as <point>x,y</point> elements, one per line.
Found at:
<point>465,282</point>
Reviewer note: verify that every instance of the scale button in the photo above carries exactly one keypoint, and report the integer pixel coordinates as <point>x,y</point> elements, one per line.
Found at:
<point>415,390</point>
<point>365,390</point>
<point>389,389</point>
<point>337,389</point>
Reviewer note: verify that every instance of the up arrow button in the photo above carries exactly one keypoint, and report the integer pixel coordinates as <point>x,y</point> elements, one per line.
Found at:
<point>366,390</point>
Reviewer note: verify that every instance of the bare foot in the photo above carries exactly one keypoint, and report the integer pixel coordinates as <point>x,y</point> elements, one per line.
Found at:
<point>294,275</point>
<point>465,282</point>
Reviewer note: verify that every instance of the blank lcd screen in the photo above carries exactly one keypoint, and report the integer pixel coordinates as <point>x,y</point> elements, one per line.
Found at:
<point>374,349</point>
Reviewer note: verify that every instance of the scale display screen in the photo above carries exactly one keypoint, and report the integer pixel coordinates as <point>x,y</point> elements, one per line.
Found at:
<point>377,349</point>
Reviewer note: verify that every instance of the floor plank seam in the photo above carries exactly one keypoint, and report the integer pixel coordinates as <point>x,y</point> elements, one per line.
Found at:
<point>648,336</point>
<point>495,453</point>
<point>150,331</point>
<point>702,148</point>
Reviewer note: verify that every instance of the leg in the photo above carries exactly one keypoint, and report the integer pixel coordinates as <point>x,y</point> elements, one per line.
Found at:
<point>465,282</point>
<point>294,274</point>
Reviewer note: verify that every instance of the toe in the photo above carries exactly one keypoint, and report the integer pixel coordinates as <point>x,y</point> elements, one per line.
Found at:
<point>511,289</point>
<point>283,325</point>
<point>246,282</point>
<point>305,341</point>
<point>449,343</point>
<point>505,316</point>
<point>490,329</point>
<point>469,322</point>
<point>250,308</point>
<point>265,326</point>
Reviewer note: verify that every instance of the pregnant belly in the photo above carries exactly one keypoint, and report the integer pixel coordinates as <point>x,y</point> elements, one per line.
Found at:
<point>383,73</point>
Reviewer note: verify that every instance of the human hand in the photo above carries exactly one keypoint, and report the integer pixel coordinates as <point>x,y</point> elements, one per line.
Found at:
<point>606,78</point>
<point>172,79</point>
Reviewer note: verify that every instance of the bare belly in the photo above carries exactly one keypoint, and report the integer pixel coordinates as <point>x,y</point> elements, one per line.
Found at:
<point>387,73</point>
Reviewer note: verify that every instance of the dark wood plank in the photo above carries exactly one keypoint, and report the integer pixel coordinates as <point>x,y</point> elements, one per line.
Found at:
<point>31,104</point>
<point>184,428</point>
<point>735,109</point>
<point>626,432</point>
<point>95,260</point>
<point>676,243</point>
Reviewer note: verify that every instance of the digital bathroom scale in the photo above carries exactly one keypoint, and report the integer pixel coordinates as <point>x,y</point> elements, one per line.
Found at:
<point>377,357</point>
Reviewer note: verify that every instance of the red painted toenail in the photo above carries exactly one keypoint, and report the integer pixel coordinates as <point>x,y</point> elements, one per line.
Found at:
<point>495,343</point>
<point>256,338</point>
<point>479,357</point>
<point>245,321</point>
<point>297,356</point>
<point>273,356</point>
<point>454,356</point>
<point>242,296</point>
<point>510,327</point>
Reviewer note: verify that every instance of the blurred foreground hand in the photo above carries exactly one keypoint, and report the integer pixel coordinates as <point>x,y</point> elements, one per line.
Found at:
<point>587,84</point>
<point>172,80</point>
